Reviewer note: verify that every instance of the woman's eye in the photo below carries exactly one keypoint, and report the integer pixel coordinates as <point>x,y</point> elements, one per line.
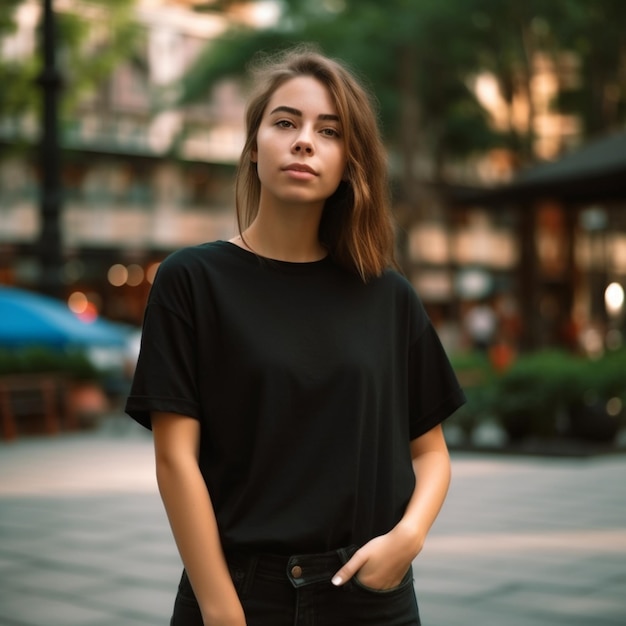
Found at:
<point>330,132</point>
<point>284,124</point>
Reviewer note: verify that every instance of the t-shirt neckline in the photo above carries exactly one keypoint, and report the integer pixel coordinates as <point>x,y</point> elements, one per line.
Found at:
<point>297,266</point>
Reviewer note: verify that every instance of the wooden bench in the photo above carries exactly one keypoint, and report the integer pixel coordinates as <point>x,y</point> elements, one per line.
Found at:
<point>34,403</point>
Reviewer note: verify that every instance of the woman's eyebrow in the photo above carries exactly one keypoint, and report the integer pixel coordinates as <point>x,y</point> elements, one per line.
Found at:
<point>323,116</point>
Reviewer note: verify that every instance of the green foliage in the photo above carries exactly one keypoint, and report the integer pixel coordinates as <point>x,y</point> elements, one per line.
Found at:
<point>226,57</point>
<point>602,378</point>
<point>18,74</point>
<point>90,45</point>
<point>37,360</point>
<point>594,32</point>
<point>530,394</point>
<point>7,21</point>
<point>90,49</point>
<point>476,376</point>
<point>543,393</point>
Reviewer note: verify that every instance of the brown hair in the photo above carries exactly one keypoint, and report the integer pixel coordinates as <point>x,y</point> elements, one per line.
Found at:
<point>356,224</point>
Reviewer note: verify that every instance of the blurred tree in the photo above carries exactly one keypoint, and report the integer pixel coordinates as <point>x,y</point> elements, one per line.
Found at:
<point>592,80</point>
<point>594,31</point>
<point>92,39</point>
<point>7,23</point>
<point>12,71</point>
<point>94,43</point>
<point>506,36</point>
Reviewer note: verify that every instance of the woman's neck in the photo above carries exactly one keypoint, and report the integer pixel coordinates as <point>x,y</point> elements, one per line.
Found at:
<point>291,236</point>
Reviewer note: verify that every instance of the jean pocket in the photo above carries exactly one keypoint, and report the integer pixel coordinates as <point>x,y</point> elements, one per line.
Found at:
<point>405,583</point>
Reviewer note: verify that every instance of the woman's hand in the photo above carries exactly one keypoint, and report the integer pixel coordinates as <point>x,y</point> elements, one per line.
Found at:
<point>382,562</point>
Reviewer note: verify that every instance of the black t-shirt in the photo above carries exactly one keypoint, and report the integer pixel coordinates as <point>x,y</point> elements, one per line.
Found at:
<point>309,385</point>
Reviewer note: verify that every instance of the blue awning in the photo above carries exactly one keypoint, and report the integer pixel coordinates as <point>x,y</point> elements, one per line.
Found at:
<point>31,319</point>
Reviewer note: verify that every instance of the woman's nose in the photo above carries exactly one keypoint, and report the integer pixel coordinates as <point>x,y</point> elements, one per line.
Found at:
<point>303,143</point>
<point>301,146</point>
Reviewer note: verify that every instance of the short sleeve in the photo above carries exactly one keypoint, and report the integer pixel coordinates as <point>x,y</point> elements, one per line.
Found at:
<point>165,378</point>
<point>434,391</point>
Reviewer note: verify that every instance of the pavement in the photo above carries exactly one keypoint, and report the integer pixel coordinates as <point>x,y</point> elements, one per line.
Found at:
<point>521,541</point>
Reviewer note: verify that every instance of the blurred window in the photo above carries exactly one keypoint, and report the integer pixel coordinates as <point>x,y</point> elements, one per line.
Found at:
<point>129,89</point>
<point>208,186</point>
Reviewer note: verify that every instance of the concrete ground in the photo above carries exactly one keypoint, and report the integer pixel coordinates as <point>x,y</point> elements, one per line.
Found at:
<point>521,541</point>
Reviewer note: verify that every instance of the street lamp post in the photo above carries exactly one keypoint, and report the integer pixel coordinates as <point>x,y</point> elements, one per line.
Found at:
<point>50,243</point>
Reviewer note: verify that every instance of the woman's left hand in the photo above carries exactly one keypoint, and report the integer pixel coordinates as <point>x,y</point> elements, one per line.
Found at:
<point>382,562</point>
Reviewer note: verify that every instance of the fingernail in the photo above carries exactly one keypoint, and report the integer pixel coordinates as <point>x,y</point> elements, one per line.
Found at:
<point>336,581</point>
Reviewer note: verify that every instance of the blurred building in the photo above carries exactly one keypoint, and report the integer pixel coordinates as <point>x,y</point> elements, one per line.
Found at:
<point>542,246</point>
<point>570,217</point>
<point>140,179</point>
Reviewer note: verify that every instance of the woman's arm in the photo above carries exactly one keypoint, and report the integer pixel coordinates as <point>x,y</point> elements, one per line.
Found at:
<point>383,561</point>
<point>191,516</point>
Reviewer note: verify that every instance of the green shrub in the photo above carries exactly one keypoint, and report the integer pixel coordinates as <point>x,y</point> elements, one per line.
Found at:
<point>476,376</point>
<point>75,364</point>
<point>545,394</point>
<point>530,396</point>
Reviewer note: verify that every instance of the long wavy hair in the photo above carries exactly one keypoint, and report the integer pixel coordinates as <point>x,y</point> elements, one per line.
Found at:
<point>356,225</point>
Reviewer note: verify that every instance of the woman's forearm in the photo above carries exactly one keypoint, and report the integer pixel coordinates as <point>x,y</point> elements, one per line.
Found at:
<point>194,527</point>
<point>192,518</point>
<point>431,464</point>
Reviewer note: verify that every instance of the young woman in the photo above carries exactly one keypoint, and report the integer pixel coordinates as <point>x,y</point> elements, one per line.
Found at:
<point>293,382</point>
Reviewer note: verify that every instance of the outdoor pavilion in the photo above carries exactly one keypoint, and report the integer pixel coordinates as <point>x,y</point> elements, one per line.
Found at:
<point>551,203</point>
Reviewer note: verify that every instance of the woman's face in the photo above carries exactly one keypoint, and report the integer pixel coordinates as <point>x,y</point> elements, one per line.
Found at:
<point>300,151</point>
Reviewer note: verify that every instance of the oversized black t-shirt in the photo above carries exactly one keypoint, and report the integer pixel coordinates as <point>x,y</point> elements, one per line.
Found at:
<point>309,385</point>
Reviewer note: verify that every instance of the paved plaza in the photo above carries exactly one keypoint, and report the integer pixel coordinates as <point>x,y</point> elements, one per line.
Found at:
<point>521,541</point>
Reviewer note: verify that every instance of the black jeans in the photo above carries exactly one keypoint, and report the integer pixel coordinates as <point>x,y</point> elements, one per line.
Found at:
<point>296,591</point>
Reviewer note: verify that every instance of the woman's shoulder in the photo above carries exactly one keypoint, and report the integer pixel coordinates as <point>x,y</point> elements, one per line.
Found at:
<point>189,255</point>
<point>394,280</point>
<point>402,291</point>
<point>191,259</point>
<point>183,270</point>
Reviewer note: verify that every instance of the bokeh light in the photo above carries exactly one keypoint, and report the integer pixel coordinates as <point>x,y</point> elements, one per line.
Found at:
<point>614,298</point>
<point>614,407</point>
<point>84,306</point>
<point>135,275</point>
<point>78,302</point>
<point>117,275</point>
